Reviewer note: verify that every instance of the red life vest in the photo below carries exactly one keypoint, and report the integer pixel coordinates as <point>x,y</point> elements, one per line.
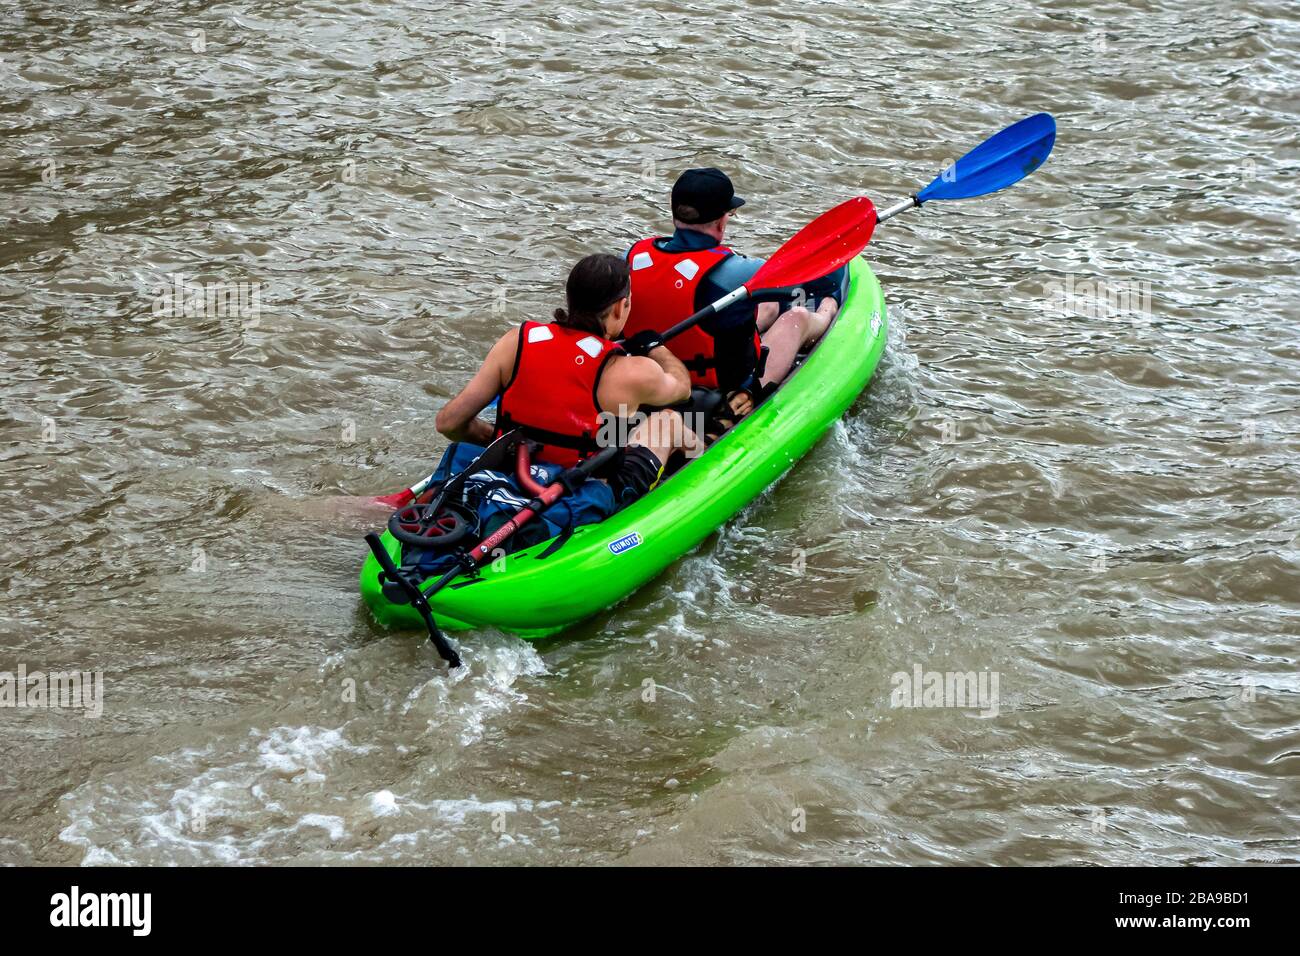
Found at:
<point>552,391</point>
<point>663,293</point>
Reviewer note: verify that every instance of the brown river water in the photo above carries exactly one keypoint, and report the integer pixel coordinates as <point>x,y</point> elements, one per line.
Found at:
<point>1073,475</point>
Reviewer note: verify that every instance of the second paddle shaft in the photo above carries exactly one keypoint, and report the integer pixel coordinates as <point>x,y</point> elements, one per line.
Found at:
<point>901,206</point>
<point>731,298</point>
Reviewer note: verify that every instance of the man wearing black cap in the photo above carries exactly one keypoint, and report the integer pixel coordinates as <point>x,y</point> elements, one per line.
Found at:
<point>674,276</point>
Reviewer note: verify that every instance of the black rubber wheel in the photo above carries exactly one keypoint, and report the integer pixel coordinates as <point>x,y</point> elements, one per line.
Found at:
<point>421,527</point>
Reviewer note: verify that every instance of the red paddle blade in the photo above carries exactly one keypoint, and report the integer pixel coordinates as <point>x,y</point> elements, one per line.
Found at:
<point>397,499</point>
<point>820,247</point>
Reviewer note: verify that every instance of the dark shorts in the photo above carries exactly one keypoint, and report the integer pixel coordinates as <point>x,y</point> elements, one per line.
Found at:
<point>633,472</point>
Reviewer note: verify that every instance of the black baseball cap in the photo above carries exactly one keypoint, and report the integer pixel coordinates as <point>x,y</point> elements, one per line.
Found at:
<point>703,195</point>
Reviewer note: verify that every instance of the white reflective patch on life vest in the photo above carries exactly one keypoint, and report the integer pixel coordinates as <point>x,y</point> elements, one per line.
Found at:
<point>642,260</point>
<point>540,333</point>
<point>591,345</point>
<point>688,268</point>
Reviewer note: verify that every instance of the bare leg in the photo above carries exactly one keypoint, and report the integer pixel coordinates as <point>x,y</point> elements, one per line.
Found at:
<point>767,314</point>
<point>791,332</point>
<point>664,433</point>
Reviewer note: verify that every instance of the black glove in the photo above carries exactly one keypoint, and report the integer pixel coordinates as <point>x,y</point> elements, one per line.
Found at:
<point>643,342</point>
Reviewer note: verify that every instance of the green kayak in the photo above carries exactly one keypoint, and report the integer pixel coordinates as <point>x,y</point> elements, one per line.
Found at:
<point>603,563</point>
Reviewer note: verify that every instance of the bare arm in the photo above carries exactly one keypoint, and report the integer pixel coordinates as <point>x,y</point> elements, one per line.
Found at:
<point>674,384</point>
<point>459,419</point>
<point>632,381</point>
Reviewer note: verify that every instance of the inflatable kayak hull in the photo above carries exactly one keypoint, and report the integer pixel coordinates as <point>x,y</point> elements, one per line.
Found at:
<point>604,563</point>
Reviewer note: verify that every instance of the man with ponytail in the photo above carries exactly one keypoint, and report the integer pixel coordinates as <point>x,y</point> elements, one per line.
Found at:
<point>559,381</point>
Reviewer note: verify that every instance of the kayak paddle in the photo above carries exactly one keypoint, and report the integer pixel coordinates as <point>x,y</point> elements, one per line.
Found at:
<point>400,498</point>
<point>819,248</point>
<point>1000,161</point>
<point>835,237</point>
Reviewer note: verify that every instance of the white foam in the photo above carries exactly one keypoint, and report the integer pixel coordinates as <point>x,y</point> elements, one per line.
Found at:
<point>280,793</point>
<point>330,824</point>
<point>383,803</point>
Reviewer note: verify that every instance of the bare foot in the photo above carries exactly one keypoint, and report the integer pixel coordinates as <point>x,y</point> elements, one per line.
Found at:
<point>741,404</point>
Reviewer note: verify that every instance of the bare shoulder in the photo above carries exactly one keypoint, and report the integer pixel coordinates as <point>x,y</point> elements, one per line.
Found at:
<point>507,344</point>
<point>502,355</point>
<point>632,371</point>
<point>626,381</point>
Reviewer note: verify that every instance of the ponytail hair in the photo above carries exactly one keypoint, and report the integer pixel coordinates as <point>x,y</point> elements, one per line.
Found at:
<point>594,285</point>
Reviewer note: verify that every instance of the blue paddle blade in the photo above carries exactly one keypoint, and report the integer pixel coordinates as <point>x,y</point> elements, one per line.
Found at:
<point>996,163</point>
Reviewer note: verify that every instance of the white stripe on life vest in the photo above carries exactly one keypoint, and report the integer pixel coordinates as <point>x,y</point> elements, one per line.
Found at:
<point>540,333</point>
<point>642,260</point>
<point>688,268</point>
<point>591,345</point>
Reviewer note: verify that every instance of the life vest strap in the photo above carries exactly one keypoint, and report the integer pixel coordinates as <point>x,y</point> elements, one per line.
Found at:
<point>700,364</point>
<point>584,443</point>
